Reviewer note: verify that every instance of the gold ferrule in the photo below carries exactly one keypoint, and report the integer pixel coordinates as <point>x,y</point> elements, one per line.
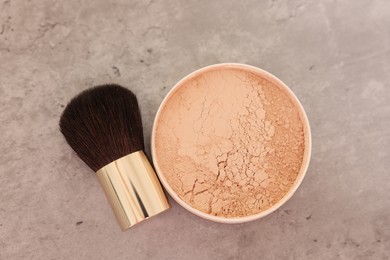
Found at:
<point>133,189</point>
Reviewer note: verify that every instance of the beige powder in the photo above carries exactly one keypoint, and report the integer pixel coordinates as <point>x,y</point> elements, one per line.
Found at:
<point>229,142</point>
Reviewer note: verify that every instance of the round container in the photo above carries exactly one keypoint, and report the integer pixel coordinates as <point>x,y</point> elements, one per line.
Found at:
<point>268,77</point>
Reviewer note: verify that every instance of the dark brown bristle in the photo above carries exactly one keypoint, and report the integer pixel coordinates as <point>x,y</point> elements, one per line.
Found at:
<point>103,124</point>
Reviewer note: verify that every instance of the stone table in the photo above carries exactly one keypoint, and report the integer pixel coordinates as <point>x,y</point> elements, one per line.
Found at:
<point>335,55</point>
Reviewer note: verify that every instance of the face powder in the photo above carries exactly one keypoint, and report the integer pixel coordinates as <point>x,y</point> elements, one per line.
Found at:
<point>231,141</point>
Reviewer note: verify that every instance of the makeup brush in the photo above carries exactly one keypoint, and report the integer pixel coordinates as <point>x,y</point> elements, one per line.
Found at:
<point>103,126</point>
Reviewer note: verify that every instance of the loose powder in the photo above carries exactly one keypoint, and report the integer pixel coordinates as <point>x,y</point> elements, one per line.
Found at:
<point>229,142</point>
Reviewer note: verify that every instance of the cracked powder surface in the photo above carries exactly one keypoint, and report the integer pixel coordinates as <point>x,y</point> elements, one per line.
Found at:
<point>229,142</point>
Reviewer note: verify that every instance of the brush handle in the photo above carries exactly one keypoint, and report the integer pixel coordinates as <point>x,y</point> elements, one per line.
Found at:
<point>133,189</point>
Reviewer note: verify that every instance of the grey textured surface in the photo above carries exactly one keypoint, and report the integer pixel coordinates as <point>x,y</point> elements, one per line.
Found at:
<point>335,55</point>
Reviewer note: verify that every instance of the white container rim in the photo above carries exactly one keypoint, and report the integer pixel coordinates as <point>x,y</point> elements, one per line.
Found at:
<point>305,160</point>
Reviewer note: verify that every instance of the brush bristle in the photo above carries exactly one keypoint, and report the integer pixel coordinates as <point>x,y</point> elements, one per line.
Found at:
<point>103,124</point>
